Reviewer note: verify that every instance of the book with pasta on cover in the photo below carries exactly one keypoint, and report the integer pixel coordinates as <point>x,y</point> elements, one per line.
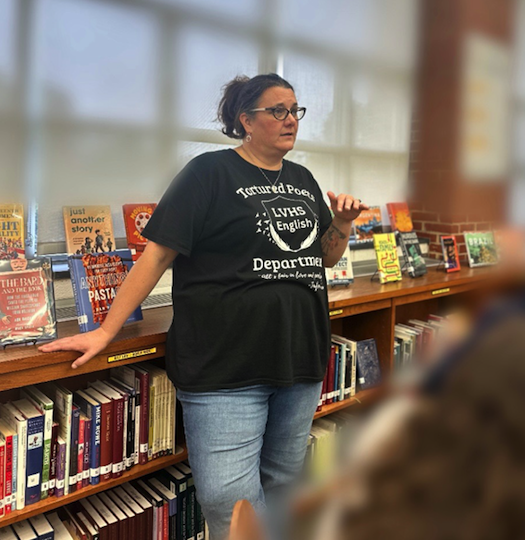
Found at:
<point>96,278</point>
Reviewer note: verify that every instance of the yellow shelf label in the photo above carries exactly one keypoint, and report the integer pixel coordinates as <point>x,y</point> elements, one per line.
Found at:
<point>440,291</point>
<point>336,312</point>
<point>134,354</point>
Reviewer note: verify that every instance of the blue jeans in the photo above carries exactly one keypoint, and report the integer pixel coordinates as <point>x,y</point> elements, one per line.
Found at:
<point>247,443</point>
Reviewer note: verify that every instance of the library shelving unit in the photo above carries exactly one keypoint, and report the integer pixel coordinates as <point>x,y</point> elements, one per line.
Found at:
<point>364,309</point>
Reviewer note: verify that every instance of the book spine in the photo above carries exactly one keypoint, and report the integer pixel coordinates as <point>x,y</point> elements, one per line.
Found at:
<point>96,413</point>
<point>22,466</point>
<point>130,434</point>
<point>335,385</point>
<point>137,424</point>
<point>190,519</point>
<point>199,518</point>
<point>144,417</point>
<point>48,429</point>
<point>106,448</point>
<point>73,451</point>
<point>125,421</point>
<point>61,469</point>
<point>15,481</point>
<point>35,456</point>
<point>8,491</point>
<point>118,438</point>
<point>151,422</point>
<point>87,452</point>
<point>80,451</point>
<point>2,478</point>
<point>53,459</point>
<point>330,376</point>
<point>342,371</point>
<point>81,309</point>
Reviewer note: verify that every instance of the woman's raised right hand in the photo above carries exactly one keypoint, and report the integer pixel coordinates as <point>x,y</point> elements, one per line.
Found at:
<point>90,344</point>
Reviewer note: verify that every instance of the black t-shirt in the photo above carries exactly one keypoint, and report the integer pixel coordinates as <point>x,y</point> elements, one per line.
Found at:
<point>249,290</point>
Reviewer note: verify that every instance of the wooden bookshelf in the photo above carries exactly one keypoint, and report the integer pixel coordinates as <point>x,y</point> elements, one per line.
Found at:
<point>51,503</point>
<point>363,310</point>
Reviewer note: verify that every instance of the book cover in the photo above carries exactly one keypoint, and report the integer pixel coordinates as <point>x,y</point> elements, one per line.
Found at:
<point>24,531</point>
<point>7,533</point>
<point>53,465</point>
<point>399,215</point>
<point>144,504</point>
<point>96,279</point>
<point>27,306</point>
<point>142,379</point>
<point>367,224</point>
<point>136,217</point>
<point>341,273</point>
<point>171,499</point>
<point>386,256</point>
<point>89,229</point>
<point>42,527</point>
<point>135,508</point>
<point>131,418</point>
<point>481,248</point>
<point>35,449</point>
<point>12,231</point>
<point>132,519</point>
<point>367,360</point>
<point>177,483</point>
<point>194,521</point>
<point>416,266</point>
<point>123,529</point>
<point>450,253</point>
<point>80,448</point>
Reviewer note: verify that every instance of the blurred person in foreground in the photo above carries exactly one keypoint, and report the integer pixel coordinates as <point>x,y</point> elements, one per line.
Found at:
<point>445,460</point>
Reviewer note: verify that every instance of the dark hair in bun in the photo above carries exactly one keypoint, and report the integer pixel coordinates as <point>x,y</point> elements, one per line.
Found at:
<point>241,95</point>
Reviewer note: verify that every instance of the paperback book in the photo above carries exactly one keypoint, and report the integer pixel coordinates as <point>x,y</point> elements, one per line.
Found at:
<point>89,229</point>
<point>342,273</point>
<point>27,306</point>
<point>416,266</point>
<point>367,360</point>
<point>367,224</point>
<point>96,278</point>
<point>136,217</point>
<point>399,215</point>
<point>450,253</point>
<point>12,234</point>
<point>481,248</point>
<point>386,255</point>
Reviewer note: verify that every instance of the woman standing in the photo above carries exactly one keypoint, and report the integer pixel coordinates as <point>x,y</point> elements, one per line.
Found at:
<point>249,236</point>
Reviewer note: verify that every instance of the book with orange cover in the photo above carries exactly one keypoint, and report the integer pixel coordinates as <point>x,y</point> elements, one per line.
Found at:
<point>136,217</point>
<point>12,235</point>
<point>399,215</point>
<point>89,229</point>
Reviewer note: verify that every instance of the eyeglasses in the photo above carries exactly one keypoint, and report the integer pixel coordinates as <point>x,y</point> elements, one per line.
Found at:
<point>281,113</point>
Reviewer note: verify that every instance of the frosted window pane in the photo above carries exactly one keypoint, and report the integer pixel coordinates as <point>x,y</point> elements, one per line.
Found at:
<point>380,114</point>
<point>11,159</point>
<point>377,181</point>
<point>519,137</point>
<point>7,52</point>
<point>313,82</point>
<point>99,60</point>
<point>96,167</point>
<point>519,47</point>
<point>186,151</point>
<point>322,166</point>
<point>207,61</point>
<point>242,10</point>
<point>517,201</point>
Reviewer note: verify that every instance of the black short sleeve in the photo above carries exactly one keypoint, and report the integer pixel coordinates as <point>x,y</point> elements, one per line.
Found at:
<point>179,217</point>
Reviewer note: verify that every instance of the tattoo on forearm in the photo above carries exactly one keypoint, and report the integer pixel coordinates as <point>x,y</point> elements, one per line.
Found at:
<point>331,238</point>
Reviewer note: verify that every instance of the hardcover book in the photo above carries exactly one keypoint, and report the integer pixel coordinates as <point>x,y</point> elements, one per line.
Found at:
<point>341,273</point>
<point>89,229</point>
<point>386,255</point>
<point>136,217</point>
<point>368,369</point>
<point>450,253</point>
<point>416,266</point>
<point>96,278</point>
<point>367,224</point>
<point>27,306</point>
<point>12,233</point>
<point>399,215</point>
<point>481,248</point>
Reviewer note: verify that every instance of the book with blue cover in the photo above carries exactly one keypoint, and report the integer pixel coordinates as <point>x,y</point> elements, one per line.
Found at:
<point>96,278</point>
<point>368,368</point>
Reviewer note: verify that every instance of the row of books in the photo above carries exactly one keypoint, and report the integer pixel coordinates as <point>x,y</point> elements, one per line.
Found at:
<point>54,441</point>
<point>352,366</point>
<point>161,506</point>
<point>415,341</point>
<point>88,229</point>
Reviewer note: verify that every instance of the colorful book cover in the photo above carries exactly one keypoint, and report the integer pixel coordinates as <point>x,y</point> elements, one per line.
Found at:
<point>12,231</point>
<point>416,266</point>
<point>136,217</point>
<point>399,215</point>
<point>96,278</point>
<point>368,369</point>
<point>450,253</point>
<point>481,248</point>
<point>342,273</point>
<point>27,306</point>
<point>386,255</point>
<point>89,229</point>
<point>367,224</point>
